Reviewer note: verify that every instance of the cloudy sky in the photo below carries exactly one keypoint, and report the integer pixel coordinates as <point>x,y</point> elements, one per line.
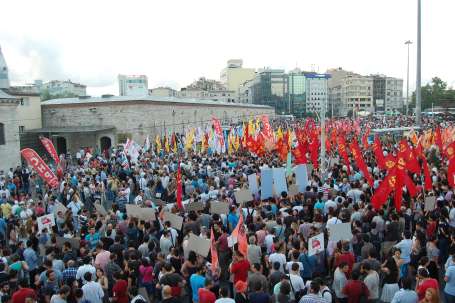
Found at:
<point>174,42</point>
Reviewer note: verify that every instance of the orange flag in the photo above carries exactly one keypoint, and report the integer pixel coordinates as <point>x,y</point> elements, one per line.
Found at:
<point>239,233</point>
<point>213,252</point>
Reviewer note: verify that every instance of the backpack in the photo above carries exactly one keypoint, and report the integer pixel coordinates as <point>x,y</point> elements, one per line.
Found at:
<point>331,293</point>
<point>299,294</point>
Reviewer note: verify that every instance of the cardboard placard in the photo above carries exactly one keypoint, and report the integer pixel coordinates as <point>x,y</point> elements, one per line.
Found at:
<point>341,231</point>
<point>199,245</point>
<point>221,208</point>
<point>301,174</point>
<point>146,214</point>
<point>430,203</point>
<point>279,180</point>
<point>46,221</point>
<point>316,244</point>
<point>195,206</point>
<point>100,208</point>
<point>176,220</point>
<point>243,195</point>
<point>266,183</point>
<point>270,225</point>
<point>253,183</point>
<point>59,207</point>
<point>75,242</point>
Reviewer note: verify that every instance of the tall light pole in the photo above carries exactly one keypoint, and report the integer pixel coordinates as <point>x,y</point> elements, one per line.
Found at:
<point>323,112</point>
<point>418,70</point>
<point>409,42</point>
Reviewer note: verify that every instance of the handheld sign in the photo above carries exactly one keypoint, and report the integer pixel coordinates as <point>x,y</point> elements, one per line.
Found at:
<point>266,183</point>
<point>253,183</point>
<point>46,221</point>
<point>430,203</point>
<point>195,206</point>
<point>100,208</point>
<point>175,220</point>
<point>279,180</point>
<point>316,244</point>
<point>341,231</point>
<point>146,214</point>
<point>199,245</point>
<point>243,195</point>
<point>220,208</point>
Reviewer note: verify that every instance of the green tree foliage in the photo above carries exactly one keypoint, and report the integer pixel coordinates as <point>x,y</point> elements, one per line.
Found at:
<point>435,93</point>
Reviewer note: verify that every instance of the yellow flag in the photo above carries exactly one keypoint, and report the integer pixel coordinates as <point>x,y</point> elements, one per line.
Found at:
<point>189,140</point>
<point>237,143</point>
<point>158,143</point>
<point>279,134</point>
<point>166,145</point>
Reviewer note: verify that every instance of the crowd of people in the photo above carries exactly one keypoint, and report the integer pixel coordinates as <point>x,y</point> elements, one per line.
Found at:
<point>402,255</point>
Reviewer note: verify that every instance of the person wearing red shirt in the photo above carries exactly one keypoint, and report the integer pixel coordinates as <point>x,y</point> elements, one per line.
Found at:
<point>346,256</point>
<point>205,294</point>
<point>354,289</point>
<point>120,289</point>
<point>23,292</point>
<point>240,267</point>
<point>424,282</point>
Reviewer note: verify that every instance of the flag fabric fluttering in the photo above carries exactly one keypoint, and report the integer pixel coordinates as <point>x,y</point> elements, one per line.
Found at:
<point>450,151</point>
<point>179,188</point>
<point>357,155</point>
<point>239,234</point>
<point>213,252</point>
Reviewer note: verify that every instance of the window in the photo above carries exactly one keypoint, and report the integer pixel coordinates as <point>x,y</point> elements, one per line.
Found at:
<point>21,129</point>
<point>2,134</point>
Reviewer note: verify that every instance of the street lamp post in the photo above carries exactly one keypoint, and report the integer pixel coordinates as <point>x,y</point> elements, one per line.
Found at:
<point>409,42</point>
<point>418,68</point>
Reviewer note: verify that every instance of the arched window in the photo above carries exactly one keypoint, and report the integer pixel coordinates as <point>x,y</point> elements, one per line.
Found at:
<point>2,134</point>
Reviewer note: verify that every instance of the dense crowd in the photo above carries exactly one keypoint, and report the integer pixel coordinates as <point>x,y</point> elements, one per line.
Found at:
<point>88,256</point>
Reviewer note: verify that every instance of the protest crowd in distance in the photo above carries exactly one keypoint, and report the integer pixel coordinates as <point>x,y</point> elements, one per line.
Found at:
<point>247,213</point>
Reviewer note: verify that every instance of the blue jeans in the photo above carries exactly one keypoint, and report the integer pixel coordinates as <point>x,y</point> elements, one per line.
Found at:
<point>449,298</point>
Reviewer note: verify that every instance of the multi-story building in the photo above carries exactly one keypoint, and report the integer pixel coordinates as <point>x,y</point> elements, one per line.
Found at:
<point>62,88</point>
<point>206,89</point>
<point>349,92</point>
<point>316,92</point>
<point>297,92</point>
<point>132,85</point>
<point>387,93</point>
<point>162,92</point>
<point>4,76</point>
<point>270,87</point>
<point>234,75</point>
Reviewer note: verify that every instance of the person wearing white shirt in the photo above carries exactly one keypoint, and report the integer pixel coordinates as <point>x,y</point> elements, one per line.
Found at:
<point>268,241</point>
<point>278,257</point>
<point>93,292</point>
<point>295,279</point>
<point>224,296</point>
<point>86,267</point>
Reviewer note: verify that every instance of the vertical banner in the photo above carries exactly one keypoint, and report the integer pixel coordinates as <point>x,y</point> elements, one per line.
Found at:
<point>35,161</point>
<point>301,174</point>
<point>253,183</point>
<point>266,183</point>
<point>279,180</point>
<point>49,146</point>
<point>267,129</point>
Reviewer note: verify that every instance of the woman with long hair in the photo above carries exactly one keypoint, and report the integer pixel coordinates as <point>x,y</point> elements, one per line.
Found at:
<point>390,270</point>
<point>431,296</point>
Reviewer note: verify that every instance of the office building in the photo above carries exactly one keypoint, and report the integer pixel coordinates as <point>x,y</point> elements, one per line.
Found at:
<point>132,85</point>
<point>57,88</point>
<point>297,92</point>
<point>387,93</point>
<point>270,87</point>
<point>316,92</point>
<point>207,89</point>
<point>235,75</point>
<point>4,76</point>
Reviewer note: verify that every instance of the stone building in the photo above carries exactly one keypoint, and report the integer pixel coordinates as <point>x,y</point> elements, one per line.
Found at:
<point>9,132</point>
<point>103,122</point>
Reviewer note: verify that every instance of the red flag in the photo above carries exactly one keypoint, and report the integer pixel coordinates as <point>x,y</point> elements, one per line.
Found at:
<point>357,155</point>
<point>365,138</point>
<point>426,174</point>
<point>218,130</point>
<point>282,149</point>
<point>314,148</point>
<point>179,187</point>
<point>383,191</point>
<point>343,153</point>
<point>450,151</point>
<point>408,155</point>
<point>300,154</point>
<point>49,146</point>
<point>378,153</point>
<point>34,160</point>
<point>213,252</point>
<point>266,129</point>
<point>438,140</point>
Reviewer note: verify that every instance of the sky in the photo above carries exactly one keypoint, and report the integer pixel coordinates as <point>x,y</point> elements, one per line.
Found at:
<point>174,42</point>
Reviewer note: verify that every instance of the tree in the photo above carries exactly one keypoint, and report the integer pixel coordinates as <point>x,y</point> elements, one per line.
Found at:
<point>46,95</point>
<point>434,93</point>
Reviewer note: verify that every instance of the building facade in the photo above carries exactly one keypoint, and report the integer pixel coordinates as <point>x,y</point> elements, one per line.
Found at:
<point>349,92</point>
<point>163,92</point>
<point>234,75</point>
<point>387,93</point>
<point>62,88</point>
<point>102,122</point>
<point>29,108</point>
<point>9,134</point>
<point>270,87</point>
<point>297,92</point>
<point>316,92</point>
<point>132,85</point>
<point>207,89</point>
<point>4,76</point>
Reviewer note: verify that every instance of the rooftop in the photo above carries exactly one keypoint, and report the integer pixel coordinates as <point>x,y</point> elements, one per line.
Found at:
<point>148,99</point>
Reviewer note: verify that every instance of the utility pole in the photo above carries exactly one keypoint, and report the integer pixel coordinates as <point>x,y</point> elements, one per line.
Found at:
<point>409,42</point>
<point>323,110</point>
<point>419,59</point>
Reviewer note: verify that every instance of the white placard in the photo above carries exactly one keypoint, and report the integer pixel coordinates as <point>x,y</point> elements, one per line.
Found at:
<point>199,245</point>
<point>279,180</point>
<point>46,221</point>
<point>430,203</point>
<point>340,231</point>
<point>146,214</point>
<point>220,208</point>
<point>243,195</point>
<point>253,184</point>
<point>316,244</point>
<point>100,208</point>
<point>176,220</point>
<point>59,207</point>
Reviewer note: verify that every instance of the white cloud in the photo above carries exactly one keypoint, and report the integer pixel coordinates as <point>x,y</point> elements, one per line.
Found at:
<point>177,41</point>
